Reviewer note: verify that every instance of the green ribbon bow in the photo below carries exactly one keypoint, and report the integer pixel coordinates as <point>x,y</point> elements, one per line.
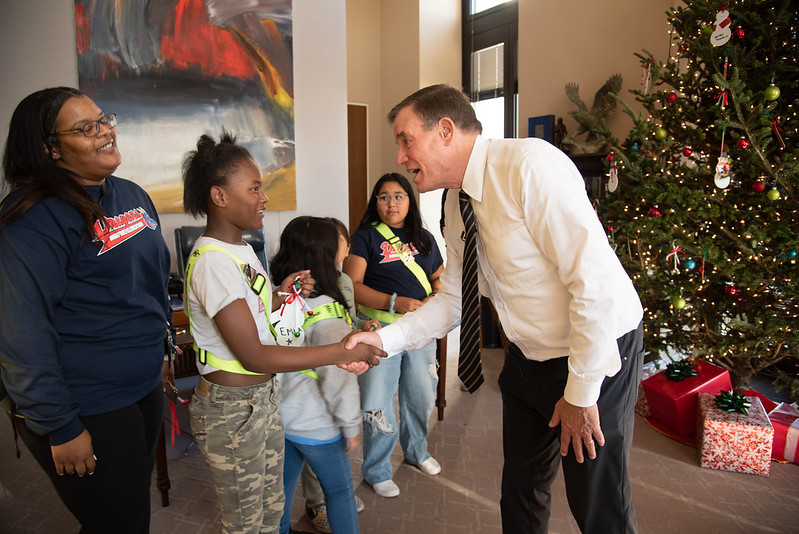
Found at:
<point>680,370</point>
<point>732,402</point>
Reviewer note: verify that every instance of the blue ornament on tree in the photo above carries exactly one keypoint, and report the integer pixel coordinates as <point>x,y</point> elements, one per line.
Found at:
<point>636,147</point>
<point>689,264</point>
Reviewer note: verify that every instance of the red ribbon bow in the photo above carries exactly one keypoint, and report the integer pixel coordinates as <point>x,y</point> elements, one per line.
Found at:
<point>175,426</point>
<point>295,295</point>
<point>722,98</point>
<point>675,253</point>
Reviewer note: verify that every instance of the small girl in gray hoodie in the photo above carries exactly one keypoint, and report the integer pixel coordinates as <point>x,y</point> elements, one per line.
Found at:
<point>320,407</point>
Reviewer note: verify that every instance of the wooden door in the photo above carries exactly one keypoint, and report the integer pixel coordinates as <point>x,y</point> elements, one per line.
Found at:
<point>358,168</point>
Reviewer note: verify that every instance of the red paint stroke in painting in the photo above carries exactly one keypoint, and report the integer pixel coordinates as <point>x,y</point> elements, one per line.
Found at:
<point>195,42</point>
<point>82,24</point>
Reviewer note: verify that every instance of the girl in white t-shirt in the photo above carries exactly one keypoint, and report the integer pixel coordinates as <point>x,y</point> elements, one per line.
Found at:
<point>234,410</point>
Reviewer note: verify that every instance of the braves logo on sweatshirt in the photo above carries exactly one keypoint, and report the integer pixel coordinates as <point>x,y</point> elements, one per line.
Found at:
<point>112,231</point>
<point>389,253</point>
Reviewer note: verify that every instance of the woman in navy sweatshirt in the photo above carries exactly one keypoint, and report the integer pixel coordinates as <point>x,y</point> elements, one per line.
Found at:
<point>83,285</point>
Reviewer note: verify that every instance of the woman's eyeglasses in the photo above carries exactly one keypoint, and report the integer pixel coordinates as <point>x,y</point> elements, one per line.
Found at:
<point>399,198</point>
<point>92,128</point>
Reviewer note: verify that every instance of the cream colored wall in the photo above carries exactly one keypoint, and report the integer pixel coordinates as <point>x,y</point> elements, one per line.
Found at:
<point>395,47</point>
<point>439,62</point>
<point>584,42</point>
<point>382,67</point>
<point>439,42</point>
<point>363,75</point>
<point>400,76</point>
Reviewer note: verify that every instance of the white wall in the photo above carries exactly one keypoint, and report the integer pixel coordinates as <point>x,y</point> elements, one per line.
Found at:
<point>320,82</point>
<point>37,38</point>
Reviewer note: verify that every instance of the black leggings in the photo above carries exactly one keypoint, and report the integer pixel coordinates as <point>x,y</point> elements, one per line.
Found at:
<point>116,498</point>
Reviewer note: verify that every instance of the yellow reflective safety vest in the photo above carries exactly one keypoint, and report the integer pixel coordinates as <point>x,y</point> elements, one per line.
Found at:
<point>409,261</point>
<point>260,286</point>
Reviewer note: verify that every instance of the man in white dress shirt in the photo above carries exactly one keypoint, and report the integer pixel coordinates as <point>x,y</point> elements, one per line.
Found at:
<point>570,379</point>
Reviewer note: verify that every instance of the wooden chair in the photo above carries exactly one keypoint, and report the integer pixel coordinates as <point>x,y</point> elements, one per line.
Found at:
<point>441,391</point>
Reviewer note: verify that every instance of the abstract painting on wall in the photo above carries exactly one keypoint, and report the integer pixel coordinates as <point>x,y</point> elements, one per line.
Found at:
<point>174,69</point>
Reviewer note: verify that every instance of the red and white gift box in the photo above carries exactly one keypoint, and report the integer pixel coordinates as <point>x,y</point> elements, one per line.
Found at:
<point>733,441</point>
<point>785,419</point>
<point>641,405</point>
<point>673,404</point>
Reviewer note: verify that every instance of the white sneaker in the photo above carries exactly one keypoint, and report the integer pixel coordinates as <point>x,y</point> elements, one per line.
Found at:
<point>359,505</point>
<point>430,466</point>
<point>387,488</point>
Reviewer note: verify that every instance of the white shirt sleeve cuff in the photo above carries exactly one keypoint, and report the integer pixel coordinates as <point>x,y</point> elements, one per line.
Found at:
<point>392,337</point>
<point>582,394</point>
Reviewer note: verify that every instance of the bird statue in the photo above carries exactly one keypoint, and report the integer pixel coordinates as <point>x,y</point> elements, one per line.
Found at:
<point>603,107</point>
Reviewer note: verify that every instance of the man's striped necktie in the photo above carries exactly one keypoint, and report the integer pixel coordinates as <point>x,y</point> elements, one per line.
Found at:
<point>470,368</point>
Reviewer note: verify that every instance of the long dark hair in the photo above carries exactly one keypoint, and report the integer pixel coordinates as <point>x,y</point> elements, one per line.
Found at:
<point>310,243</point>
<point>210,165</point>
<point>413,221</point>
<point>27,161</point>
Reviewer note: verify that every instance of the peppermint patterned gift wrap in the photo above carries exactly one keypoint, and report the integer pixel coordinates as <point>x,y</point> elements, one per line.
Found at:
<point>785,419</point>
<point>641,405</point>
<point>734,441</point>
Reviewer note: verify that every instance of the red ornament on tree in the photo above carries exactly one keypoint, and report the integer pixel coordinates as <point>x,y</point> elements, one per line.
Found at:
<point>739,33</point>
<point>731,290</point>
<point>671,98</point>
<point>687,152</point>
<point>758,186</point>
<point>654,212</point>
<point>742,144</point>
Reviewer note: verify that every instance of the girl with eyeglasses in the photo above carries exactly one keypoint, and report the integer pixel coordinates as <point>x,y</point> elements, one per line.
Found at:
<point>83,284</point>
<point>395,267</point>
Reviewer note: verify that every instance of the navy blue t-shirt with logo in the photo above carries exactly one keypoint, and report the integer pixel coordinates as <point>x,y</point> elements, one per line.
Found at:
<point>84,319</point>
<point>385,271</point>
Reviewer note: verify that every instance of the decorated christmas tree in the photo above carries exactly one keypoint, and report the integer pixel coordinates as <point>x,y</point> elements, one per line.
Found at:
<point>702,202</point>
